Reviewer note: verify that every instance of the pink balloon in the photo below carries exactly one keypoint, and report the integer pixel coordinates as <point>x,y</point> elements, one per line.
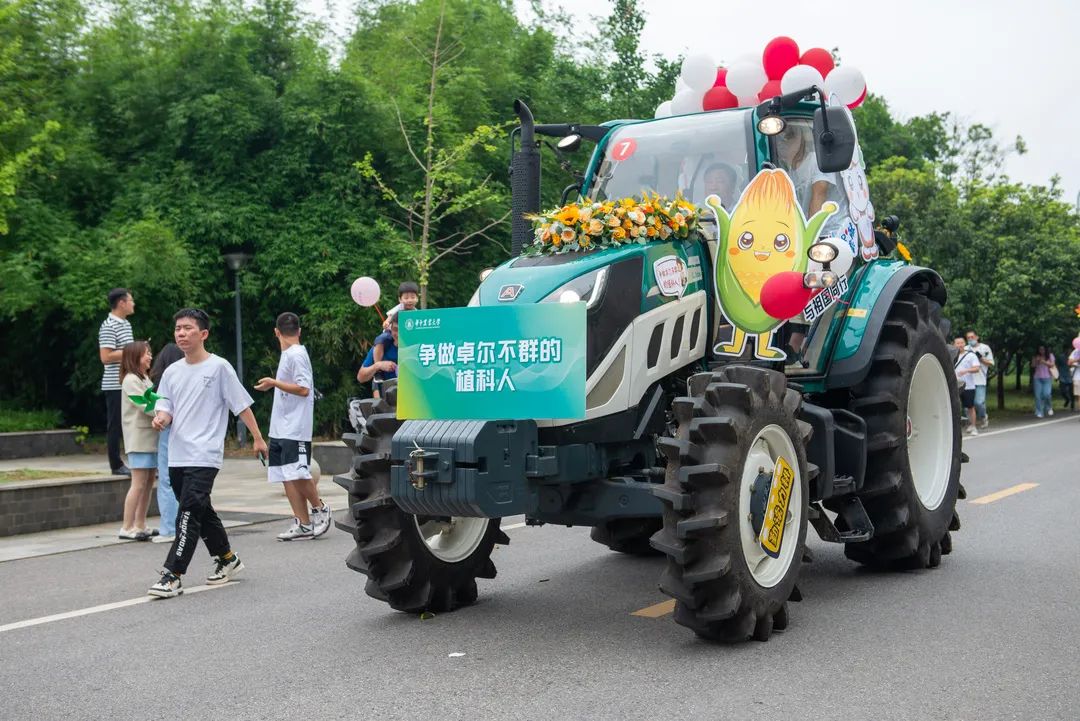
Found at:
<point>780,55</point>
<point>784,296</point>
<point>365,291</point>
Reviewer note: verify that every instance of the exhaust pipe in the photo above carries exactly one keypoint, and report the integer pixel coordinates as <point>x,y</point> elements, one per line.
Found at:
<point>524,180</point>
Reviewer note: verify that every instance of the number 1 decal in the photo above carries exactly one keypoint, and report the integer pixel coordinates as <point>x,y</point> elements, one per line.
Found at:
<point>624,149</point>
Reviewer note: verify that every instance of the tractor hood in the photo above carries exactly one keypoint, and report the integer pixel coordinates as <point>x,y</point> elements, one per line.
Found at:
<point>531,279</point>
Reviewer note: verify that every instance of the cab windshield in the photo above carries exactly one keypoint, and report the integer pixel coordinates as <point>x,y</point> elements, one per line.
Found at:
<point>697,155</point>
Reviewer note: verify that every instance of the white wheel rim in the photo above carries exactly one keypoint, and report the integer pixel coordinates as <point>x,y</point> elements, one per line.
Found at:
<point>770,443</point>
<point>929,431</point>
<point>452,540</point>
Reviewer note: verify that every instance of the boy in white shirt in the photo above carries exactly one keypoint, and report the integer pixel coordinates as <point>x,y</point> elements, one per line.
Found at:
<point>196,397</point>
<point>290,433</point>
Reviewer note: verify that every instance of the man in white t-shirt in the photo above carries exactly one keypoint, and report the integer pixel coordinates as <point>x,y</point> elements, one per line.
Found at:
<point>290,433</point>
<point>986,362</point>
<point>967,367</point>
<point>196,397</point>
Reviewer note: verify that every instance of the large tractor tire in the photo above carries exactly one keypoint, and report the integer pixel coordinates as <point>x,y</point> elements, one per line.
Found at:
<point>912,409</point>
<point>732,429</point>
<point>628,535</point>
<point>414,563</point>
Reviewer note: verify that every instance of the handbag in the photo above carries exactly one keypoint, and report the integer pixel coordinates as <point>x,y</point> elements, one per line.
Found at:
<point>1054,373</point>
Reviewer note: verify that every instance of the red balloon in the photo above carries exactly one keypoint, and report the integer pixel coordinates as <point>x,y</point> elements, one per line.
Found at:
<point>719,98</point>
<point>818,58</point>
<point>769,91</point>
<point>721,78</point>
<point>781,55</point>
<point>784,296</point>
<point>859,100</point>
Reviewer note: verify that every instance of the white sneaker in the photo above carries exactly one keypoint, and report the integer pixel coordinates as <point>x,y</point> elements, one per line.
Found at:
<point>297,532</point>
<point>167,587</point>
<point>162,539</point>
<point>321,519</point>
<point>1050,412</point>
<point>224,570</point>
<point>984,423</point>
<point>973,431</point>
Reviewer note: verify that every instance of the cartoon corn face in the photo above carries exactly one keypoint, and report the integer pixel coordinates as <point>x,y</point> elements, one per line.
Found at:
<point>765,235</point>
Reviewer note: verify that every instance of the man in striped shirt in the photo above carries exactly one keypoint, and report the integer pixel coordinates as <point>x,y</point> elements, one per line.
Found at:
<point>114,334</point>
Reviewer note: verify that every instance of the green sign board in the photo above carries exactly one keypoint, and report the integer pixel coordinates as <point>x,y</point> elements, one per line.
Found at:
<point>504,362</point>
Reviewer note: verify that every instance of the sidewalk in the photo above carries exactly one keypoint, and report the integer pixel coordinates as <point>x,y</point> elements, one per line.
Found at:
<point>241,493</point>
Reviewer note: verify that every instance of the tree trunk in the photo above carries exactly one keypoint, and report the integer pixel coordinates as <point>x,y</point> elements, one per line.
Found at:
<point>1001,382</point>
<point>1019,369</point>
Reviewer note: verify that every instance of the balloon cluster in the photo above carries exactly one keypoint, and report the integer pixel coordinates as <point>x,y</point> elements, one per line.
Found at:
<point>749,80</point>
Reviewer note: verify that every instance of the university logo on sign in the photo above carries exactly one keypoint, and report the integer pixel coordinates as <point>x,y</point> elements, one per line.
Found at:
<point>510,292</point>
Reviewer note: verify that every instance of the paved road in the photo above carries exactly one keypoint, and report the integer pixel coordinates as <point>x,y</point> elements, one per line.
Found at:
<point>992,634</point>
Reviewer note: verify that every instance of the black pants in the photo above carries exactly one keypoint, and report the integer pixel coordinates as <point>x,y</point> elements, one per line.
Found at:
<point>195,518</point>
<point>113,428</point>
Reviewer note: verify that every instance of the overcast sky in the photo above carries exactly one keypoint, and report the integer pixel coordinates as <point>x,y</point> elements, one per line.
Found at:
<point>1010,65</point>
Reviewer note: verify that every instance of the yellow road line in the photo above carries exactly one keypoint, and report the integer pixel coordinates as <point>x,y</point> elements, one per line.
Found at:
<point>657,610</point>
<point>1005,493</point>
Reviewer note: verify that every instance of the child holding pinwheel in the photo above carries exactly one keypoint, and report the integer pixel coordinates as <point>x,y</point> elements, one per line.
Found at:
<point>140,438</point>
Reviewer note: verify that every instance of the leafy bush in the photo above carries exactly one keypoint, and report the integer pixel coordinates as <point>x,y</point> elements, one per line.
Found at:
<point>12,420</point>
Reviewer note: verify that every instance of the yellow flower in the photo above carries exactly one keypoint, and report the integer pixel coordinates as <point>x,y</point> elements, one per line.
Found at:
<point>585,242</point>
<point>545,234</point>
<point>614,221</point>
<point>637,216</point>
<point>568,235</point>
<point>568,215</point>
<point>903,251</point>
<point>595,227</point>
<point>651,231</point>
<point>628,224</point>
<point>618,234</point>
<point>628,203</point>
<point>555,241</point>
<point>620,211</point>
<point>584,215</point>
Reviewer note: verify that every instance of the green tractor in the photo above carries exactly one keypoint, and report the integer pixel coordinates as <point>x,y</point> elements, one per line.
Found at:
<point>696,443</point>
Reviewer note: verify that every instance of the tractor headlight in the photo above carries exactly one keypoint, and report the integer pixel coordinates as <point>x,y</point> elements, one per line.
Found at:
<point>829,279</point>
<point>812,280</point>
<point>588,287</point>
<point>823,253</point>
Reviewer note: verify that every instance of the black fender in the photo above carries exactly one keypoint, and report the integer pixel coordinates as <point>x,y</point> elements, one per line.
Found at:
<point>852,370</point>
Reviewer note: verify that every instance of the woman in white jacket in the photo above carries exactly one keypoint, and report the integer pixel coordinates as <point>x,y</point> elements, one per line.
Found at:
<point>140,439</point>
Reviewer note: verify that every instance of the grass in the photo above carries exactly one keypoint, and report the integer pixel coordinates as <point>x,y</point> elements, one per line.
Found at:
<point>12,420</point>
<point>1019,404</point>
<point>37,474</point>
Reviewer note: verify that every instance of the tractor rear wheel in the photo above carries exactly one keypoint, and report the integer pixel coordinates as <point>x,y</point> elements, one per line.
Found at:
<point>737,433</point>
<point>414,563</point>
<point>912,410</point>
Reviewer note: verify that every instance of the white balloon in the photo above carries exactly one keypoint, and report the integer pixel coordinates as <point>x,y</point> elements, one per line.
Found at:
<point>846,82</point>
<point>748,102</point>
<point>699,71</point>
<point>663,109</point>
<point>680,85</point>
<point>746,79</point>
<point>845,257</point>
<point>799,77</point>
<point>686,101</point>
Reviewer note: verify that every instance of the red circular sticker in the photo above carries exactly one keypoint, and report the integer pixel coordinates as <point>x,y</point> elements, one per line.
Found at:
<point>623,149</point>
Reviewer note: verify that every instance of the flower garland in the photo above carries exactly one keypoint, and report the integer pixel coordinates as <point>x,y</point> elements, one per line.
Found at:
<point>584,226</point>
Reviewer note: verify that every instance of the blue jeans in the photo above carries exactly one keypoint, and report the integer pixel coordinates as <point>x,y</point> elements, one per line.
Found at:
<point>166,500</point>
<point>980,402</point>
<point>1043,395</point>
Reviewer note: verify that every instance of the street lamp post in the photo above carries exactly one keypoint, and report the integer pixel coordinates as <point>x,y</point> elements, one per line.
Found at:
<point>236,262</point>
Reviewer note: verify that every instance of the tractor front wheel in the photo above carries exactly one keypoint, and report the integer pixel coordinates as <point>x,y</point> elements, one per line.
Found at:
<point>735,503</point>
<point>414,563</point>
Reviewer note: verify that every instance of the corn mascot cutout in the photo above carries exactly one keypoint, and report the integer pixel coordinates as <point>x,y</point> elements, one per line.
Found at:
<point>765,234</point>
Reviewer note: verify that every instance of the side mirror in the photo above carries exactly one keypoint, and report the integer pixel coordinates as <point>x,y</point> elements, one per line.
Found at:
<point>834,139</point>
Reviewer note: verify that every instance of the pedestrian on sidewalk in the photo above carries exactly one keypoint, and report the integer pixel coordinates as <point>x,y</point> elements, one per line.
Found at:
<point>196,397</point>
<point>986,362</point>
<point>967,367</point>
<point>140,439</point>
<point>291,421</point>
<point>113,335</point>
<point>1074,363</point>
<point>1043,381</point>
<point>166,500</point>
